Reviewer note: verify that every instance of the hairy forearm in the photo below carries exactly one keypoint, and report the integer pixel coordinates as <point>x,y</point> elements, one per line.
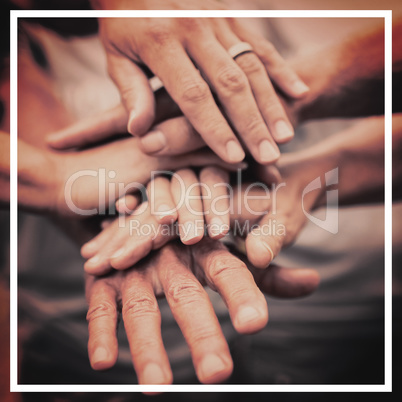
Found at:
<point>347,80</point>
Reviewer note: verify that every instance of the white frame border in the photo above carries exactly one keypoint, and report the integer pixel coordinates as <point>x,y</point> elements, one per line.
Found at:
<point>14,386</point>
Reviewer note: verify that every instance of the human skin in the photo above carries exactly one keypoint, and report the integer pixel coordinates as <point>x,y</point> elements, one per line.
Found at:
<point>345,80</point>
<point>37,118</point>
<point>170,46</point>
<point>178,273</point>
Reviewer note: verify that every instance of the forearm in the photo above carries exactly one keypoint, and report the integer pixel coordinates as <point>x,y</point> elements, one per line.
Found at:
<point>36,172</point>
<point>347,80</point>
<point>35,176</point>
<point>358,154</point>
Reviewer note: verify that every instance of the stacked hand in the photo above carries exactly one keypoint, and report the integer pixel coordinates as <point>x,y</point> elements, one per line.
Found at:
<point>179,272</point>
<point>196,58</point>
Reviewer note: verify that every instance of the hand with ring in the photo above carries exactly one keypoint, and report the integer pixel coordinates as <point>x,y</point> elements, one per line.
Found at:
<point>195,59</point>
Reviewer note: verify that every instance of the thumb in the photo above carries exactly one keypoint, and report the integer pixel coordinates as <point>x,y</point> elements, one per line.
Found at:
<point>265,241</point>
<point>135,91</point>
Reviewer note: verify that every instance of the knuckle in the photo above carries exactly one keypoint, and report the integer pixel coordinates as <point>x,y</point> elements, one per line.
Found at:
<point>221,268</point>
<point>185,291</point>
<point>250,64</point>
<point>254,124</point>
<point>204,335</point>
<point>159,34</point>
<point>273,108</point>
<point>142,304</point>
<point>101,310</point>
<point>231,80</point>
<point>194,91</point>
<point>191,25</point>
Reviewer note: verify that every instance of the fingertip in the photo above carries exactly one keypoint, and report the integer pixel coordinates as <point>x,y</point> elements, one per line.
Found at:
<point>234,152</point>
<point>153,142</point>
<point>96,266</point>
<point>283,131</point>
<point>259,252</point>
<point>268,152</point>
<point>153,373</point>
<point>309,280</point>
<point>217,228</point>
<point>214,369</point>
<point>299,89</point>
<point>250,319</point>
<point>102,359</point>
<point>140,121</point>
<point>190,233</point>
<point>166,214</point>
<point>191,239</point>
<point>89,249</point>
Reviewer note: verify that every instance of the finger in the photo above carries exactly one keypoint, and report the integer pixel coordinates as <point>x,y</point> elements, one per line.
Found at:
<point>127,204</point>
<point>102,323</point>
<point>234,92</point>
<point>114,238</point>
<point>279,70</point>
<point>234,282</point>
<point>264,93</point>
<point>161,200</point>
<point>214,184</point>
<point>172,137</point>
<point>286,282</point>
<point>265,241</point>
<point>202,157</point>
<point>90,130</point>
<point>186,193</point>
<point>136,93</point>
<point>196,318</point>
<point>92,247</point>
<point>187,88</point>
<point>142,322</point>
<point>144,236</point>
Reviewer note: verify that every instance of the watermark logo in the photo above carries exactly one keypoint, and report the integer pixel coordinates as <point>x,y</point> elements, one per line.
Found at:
<point>330,222</point>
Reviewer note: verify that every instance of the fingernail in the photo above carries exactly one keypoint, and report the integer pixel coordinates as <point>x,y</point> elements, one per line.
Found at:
<point>188,231</point>
<point>153,374</point>
<point>210,366</point>
<point>100,356</point>
<point>93,260</point>
<point>131,119</point>
<point>153,142</point>
<point>268,152</point>
<point>118,253</point>
<point>283,131</point>
<point>268,247</point>
<point>247,315</point>
<point>189,234</point>
<point>234,152</point>
<point>299,87</point>
<point>216,227</point>
<point>89,248</point>
<point>165,211</point>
